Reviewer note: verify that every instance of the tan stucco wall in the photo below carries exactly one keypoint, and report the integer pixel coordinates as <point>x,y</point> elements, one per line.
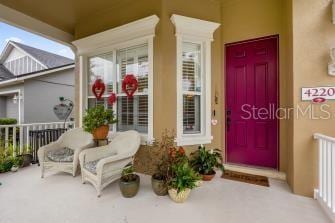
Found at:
<point>243,20</point>
<point>313,36</point>
<point>240,20</point>
<point>164,50</point>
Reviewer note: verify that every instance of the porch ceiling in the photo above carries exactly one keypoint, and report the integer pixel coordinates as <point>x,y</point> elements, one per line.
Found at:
<point>62,14</point>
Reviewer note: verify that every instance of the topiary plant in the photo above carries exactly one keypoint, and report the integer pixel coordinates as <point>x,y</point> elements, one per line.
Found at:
<point>96,117</point>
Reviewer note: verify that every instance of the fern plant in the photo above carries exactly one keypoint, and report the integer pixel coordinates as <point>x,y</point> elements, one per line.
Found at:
<point>183,177</point>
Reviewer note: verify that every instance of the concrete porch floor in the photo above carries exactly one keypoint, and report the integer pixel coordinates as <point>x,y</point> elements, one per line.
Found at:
<point>58,198</point>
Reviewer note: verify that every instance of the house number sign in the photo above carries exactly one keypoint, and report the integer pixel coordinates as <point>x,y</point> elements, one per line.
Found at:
<point>317,94</point>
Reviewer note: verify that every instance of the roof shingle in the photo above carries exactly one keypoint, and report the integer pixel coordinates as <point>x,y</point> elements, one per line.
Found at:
<point>50,60</point>
<point>5,74</point>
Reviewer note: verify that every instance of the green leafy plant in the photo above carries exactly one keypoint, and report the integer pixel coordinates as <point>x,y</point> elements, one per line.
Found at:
<point>204,161</point>
<point>182,177</point>
<point>8,121</point>
<point>98,116</point>
<point>128,174</point>
<point>6,164</point>
<point>17,161</point>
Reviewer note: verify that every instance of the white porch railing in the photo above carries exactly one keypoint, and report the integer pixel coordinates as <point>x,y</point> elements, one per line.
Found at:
<point>17,137</point>
<point>325,194</point>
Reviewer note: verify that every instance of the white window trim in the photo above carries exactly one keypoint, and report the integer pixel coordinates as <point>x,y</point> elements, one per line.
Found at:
<point>135,33</point>
<point>195,31</point>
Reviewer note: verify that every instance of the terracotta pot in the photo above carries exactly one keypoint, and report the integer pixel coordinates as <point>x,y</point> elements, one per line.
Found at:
<point>180,197</point>
<point>129,189</point>
<point>101,132</point>
<point>159,186</point>
<point>208,177</point>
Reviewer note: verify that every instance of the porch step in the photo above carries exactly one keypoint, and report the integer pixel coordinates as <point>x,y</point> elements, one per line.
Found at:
<point>270,173</point>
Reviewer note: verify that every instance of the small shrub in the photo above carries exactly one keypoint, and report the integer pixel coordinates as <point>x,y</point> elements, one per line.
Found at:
<point>6,164</point>
<point>8,121</point>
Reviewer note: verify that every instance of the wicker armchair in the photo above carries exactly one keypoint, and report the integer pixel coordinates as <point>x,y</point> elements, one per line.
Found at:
<point>103,165</point>
<point>74,140</point>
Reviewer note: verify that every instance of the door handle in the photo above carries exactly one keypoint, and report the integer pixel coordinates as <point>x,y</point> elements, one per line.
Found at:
<point>228,119</point>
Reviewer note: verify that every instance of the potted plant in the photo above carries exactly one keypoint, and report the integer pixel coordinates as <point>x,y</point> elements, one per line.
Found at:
<point>26,157</point>
<point>182,180</point>
<point>17,162</point>
<point>161,153</point>
<point>129,182</point>
<point>97,121</point>
<point>204,162</point>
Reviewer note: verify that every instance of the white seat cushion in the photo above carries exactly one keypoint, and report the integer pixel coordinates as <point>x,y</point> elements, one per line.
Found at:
<point>61,155</point>
<point>92,166</point>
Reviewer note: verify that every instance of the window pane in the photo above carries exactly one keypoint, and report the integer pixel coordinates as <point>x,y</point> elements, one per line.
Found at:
<point>133,112</point>
<point>133,61</point>
<point>191,67</point>
<point>101,66</point>
<point>191,114</point>
<point>93,102</point>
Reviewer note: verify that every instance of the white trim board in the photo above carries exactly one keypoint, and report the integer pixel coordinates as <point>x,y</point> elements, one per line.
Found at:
<point>28,76</point>
<point>200,32</point>
<point>9,47</point>
<point>141,28</point>
<point>21,20</point>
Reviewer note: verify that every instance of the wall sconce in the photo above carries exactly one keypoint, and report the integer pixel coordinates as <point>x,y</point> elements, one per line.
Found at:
<point>331,64</point>
<point>16,98</point>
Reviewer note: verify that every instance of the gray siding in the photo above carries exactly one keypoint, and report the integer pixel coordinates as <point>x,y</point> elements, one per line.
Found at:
<point>12,110</point>
<point>42,94</point>
<point>3,107</point>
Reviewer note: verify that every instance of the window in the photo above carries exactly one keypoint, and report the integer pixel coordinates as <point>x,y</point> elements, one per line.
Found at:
<point>127,49</point>
<point>191,81</point>
<point>132,113</point>
<point>194,38</point>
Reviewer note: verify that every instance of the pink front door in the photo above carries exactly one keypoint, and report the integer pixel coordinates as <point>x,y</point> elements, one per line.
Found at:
<point>251,92</point>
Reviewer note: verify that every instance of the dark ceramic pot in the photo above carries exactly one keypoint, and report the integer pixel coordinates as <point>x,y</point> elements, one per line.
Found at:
<point>129,188</point>
<point>159,185</point>
<point>26,159</point>
<point>208,177</point>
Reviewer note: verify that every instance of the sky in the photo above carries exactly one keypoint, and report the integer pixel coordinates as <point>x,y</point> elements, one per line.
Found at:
<point>8,32</point>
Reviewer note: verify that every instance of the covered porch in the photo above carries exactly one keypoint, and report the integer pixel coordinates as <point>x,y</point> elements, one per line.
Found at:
<point>61,198</point>
<point>148,38</point>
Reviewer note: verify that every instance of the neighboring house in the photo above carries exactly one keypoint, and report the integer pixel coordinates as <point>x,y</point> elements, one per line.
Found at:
<point>31,82</point>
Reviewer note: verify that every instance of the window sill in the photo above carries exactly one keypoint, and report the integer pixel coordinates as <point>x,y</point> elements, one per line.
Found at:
<point>145,140</point>
<point>193,140</point>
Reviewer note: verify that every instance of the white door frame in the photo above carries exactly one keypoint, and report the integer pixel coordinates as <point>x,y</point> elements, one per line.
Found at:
<point>18,91</point>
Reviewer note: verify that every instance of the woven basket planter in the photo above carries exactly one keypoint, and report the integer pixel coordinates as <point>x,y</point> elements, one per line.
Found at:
<point>180,197</point>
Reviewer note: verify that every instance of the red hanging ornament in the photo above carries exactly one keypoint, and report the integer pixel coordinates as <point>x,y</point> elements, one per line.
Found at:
<point>112,98</point>
<point>98,88</point>
<point>129,85</point>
